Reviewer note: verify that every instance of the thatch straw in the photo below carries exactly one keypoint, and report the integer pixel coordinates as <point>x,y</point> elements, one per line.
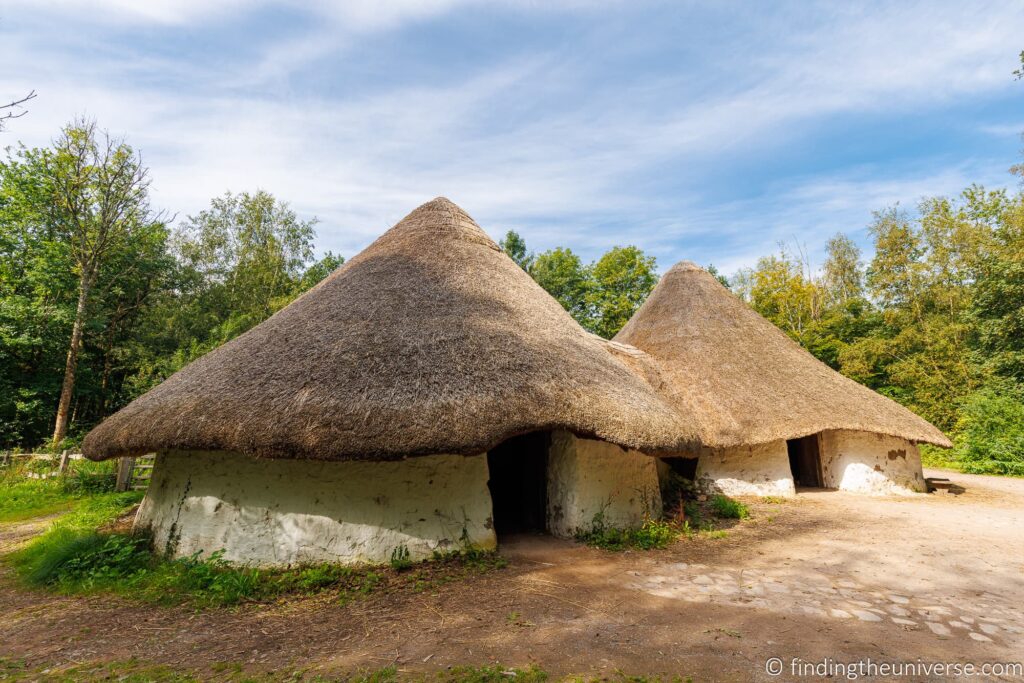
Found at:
<point>742,379</point>
<point>430,341</point>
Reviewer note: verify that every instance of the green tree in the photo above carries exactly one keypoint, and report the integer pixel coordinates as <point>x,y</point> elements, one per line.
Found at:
<point>98,195</point>
<point>239,261</point>
<point>515,246</point>
<point>318,271</point>
<point>781,291</point>
<point>79,257</point>
<point>249,250</point>
<point>895,275</point>
<point>924,277</point>
<point>997,308</point>
<point>622,279</point>
<point>842,274</point>
<point>561,273</point>
<point>989,433</point>
<point>718,276</point>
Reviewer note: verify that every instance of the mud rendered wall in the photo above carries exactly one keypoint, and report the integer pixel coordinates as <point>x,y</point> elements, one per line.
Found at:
<point>281,512</point>
<point>590,480</point>
<point>761,470</point>
<point>863,462</point>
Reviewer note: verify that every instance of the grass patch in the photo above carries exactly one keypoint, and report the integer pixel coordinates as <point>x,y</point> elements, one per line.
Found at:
<point>727,508</point>
<point>74,558</point>
<point>124,671</point>
<point>652,534</point>
<point>714,534</point>
<point>32,498</point>
<point>24,497</point>
<point>490,674</point>
<point>137,671</point>
<point>71,535</point>
<point>774,500</point>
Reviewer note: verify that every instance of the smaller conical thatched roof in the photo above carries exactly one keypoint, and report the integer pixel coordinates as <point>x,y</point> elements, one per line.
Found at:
<point>431,340</point>
<point>742,379</point>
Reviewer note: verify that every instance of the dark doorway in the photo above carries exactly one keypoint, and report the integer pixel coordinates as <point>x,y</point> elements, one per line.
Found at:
<point>519,483</point>
<point>684,467</point>
<point>805,461</point>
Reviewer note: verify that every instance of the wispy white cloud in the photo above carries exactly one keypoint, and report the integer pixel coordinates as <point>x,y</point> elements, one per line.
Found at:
<point>1003,130</point>
<point>133,11</point>
<point>806,212</point>
<point>545,141</point>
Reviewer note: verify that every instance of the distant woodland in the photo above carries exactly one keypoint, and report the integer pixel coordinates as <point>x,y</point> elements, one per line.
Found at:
<point>102,295</point>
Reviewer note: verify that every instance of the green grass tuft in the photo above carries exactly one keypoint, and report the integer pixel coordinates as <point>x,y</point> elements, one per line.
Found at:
<point>727,508</point>
<point>774,500</point>
<point>651,535</point>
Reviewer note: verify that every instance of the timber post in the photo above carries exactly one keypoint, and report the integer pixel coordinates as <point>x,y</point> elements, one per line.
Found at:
<point>124,473</point>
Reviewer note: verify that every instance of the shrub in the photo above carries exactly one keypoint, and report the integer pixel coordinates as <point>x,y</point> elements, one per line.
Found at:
<point>727,508</point>
<point>87,477</point>
<point>989,435</point>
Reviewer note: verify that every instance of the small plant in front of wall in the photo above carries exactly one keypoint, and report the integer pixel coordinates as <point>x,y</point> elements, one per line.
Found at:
<point>650,535</point>
<point>400,559</point>
<point>727,508</point>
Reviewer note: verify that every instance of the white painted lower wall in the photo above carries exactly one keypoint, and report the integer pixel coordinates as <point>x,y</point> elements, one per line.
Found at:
<point>875,464</point>
<point>587,478</point>
<point>286,512</point>
<point>760,470</point>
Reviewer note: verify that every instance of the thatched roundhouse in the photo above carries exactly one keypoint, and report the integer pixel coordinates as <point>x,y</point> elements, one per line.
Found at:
<point>769,415</point>
<point>427,394</point>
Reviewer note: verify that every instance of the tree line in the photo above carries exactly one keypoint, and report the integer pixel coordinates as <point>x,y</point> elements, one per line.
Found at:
<point>102,297</point>
<point>934,319</point>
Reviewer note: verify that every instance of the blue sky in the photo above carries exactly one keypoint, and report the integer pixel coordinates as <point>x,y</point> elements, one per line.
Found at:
<point>705,131</point>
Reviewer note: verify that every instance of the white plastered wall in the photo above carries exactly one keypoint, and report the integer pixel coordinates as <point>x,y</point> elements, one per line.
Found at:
<point>875,464</point>
<point>760,470</point>
<point>587,478</point>
<point>286,512</point>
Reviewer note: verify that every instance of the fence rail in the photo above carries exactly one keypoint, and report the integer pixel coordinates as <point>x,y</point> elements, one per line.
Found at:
<point>132,473</point>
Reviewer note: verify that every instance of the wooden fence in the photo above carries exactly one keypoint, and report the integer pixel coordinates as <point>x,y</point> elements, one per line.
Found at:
<point>132,473</point>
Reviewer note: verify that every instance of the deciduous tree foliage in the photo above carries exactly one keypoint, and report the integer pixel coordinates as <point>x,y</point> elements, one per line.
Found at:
<point>601,296</point>
<point>935,320</point>
<point>99,299</point>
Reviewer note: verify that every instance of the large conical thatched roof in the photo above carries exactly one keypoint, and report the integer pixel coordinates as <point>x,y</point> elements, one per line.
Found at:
<point>742,379</point>
<point>430,341</point>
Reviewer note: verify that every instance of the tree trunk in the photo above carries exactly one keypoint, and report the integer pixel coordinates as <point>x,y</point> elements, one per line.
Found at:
<point>107,349</point>
<point>60,429</point>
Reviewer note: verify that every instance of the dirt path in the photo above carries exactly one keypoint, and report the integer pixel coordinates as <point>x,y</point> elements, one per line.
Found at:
<point>936,578</point>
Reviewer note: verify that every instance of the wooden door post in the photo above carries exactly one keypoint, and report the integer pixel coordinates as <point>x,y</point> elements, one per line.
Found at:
<point>124,473</point>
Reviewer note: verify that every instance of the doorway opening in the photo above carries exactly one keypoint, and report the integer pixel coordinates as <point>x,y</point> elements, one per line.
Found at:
<point>684,467</point>
<point>805,461</point>
<point>519,483</point>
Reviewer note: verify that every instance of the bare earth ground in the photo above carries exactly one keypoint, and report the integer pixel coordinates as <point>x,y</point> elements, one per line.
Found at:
<point>933,577</point>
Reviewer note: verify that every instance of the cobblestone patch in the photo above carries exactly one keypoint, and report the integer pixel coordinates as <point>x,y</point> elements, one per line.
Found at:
<point>817,594</point>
